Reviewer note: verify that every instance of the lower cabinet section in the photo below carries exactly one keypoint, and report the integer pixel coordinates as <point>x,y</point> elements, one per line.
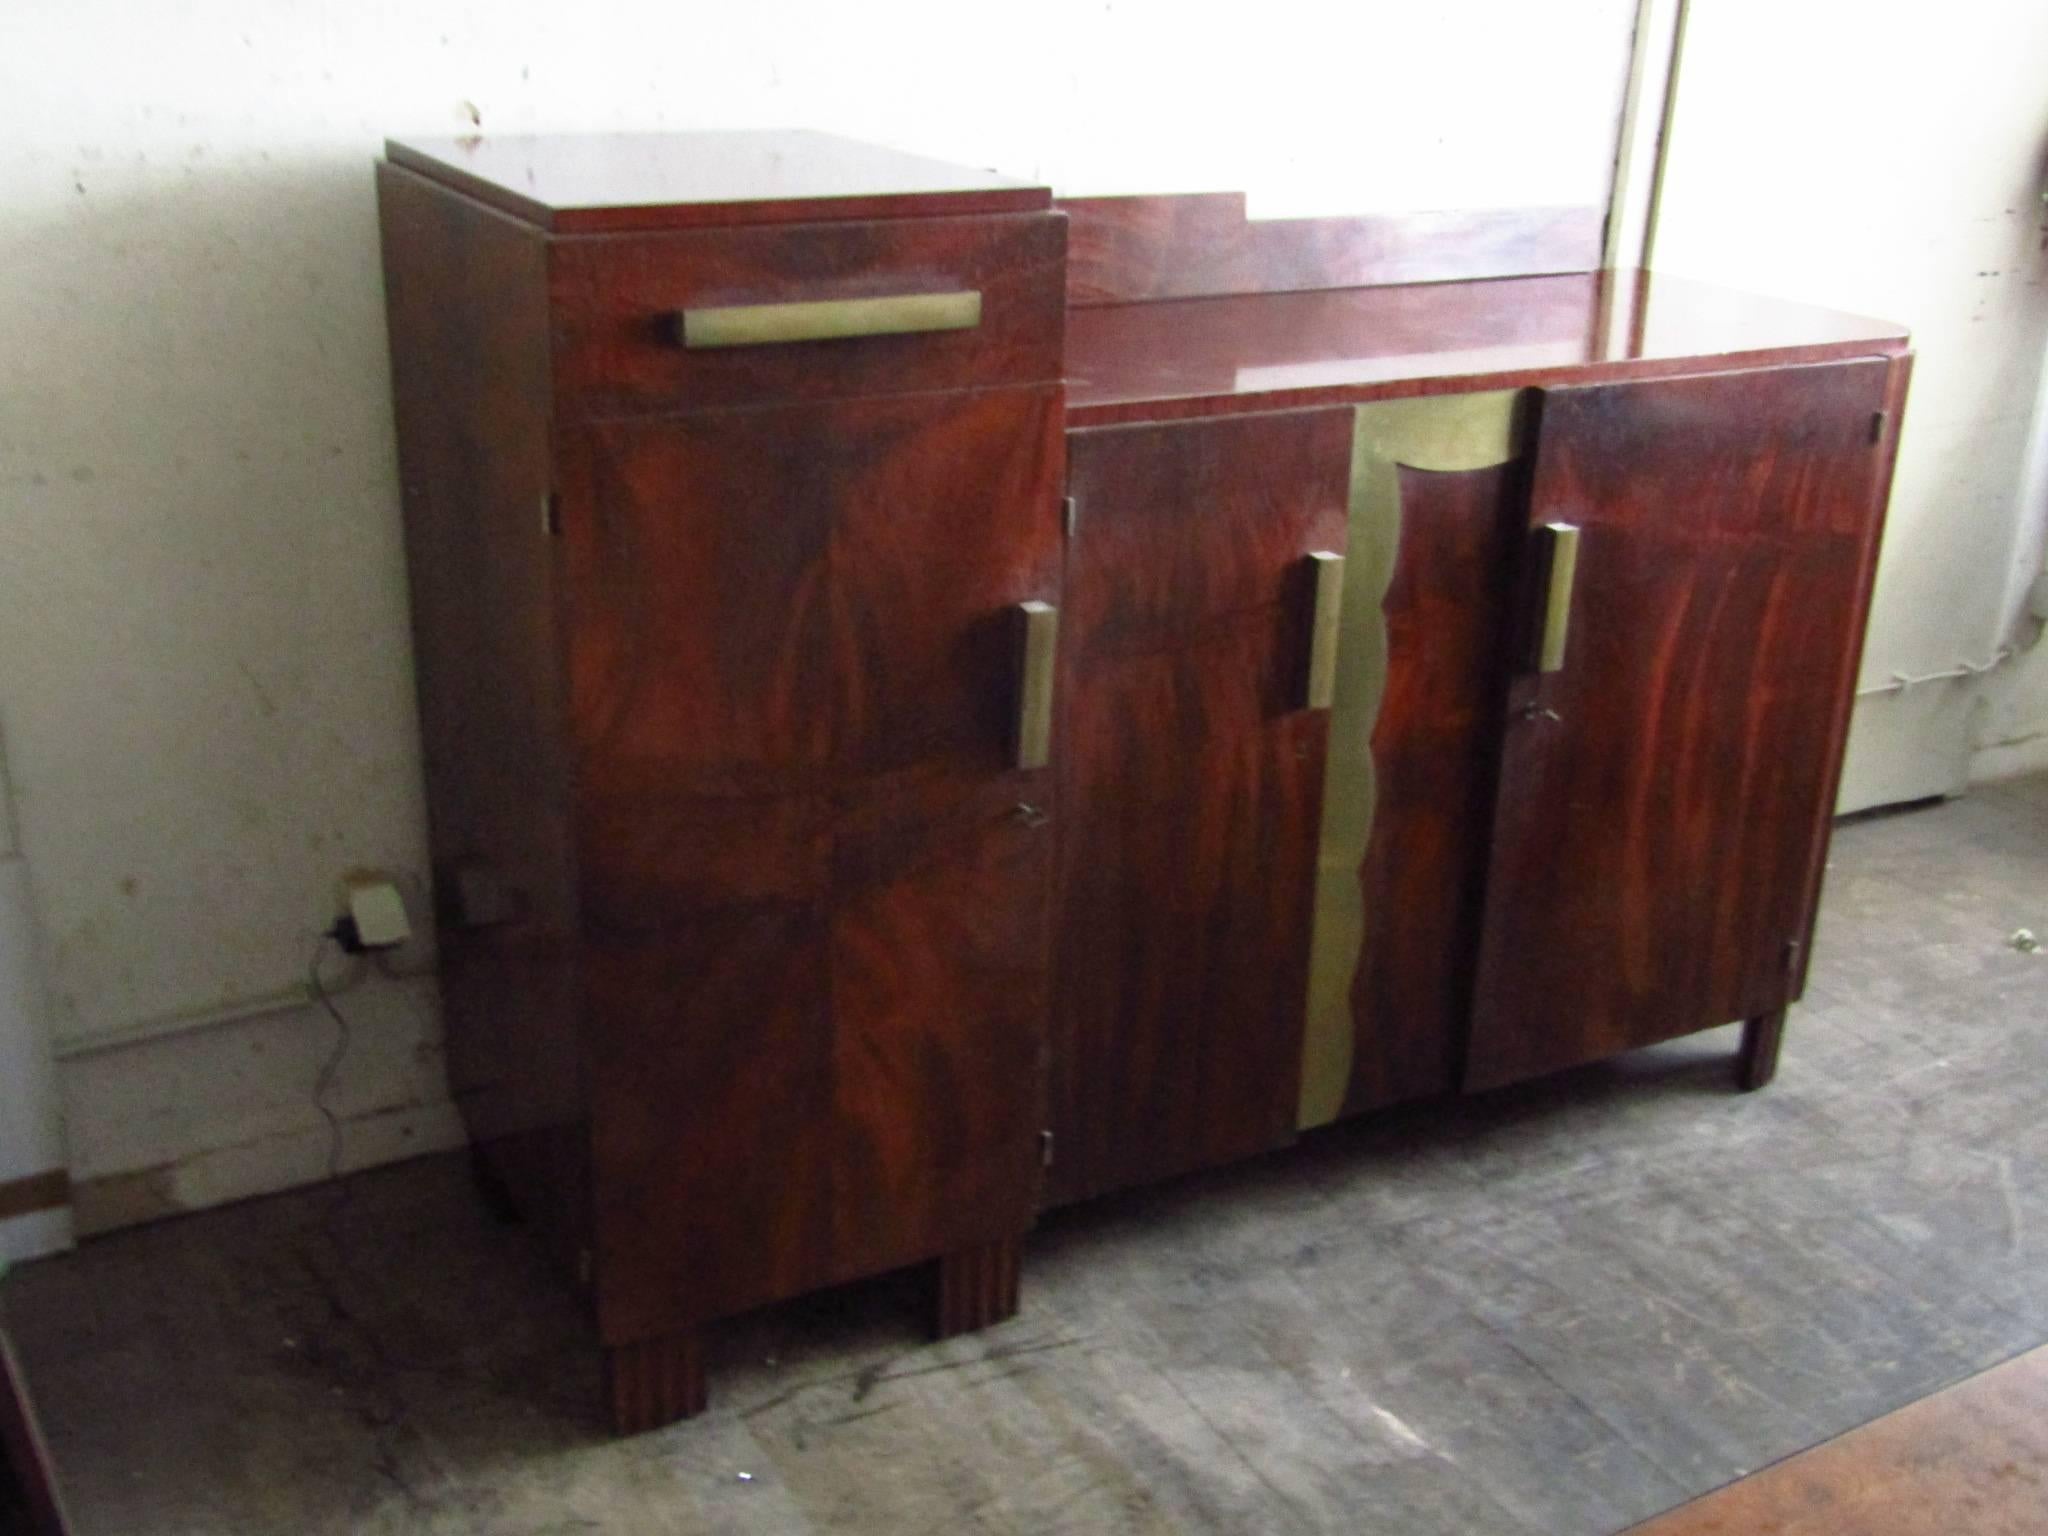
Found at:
<point>1395,749</point>
<point>1596,650</point>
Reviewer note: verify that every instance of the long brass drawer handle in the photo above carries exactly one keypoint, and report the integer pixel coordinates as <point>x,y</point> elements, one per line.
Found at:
<point>1040,623</point>
<point>1327,571</point>
<point>767,325</point>
<point>1561,553</point>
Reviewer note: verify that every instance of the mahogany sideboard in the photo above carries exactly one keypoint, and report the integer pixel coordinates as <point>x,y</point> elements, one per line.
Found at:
<point>938,704</point>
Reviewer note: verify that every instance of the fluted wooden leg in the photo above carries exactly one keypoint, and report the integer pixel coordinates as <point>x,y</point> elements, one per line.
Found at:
<point>654,1381</point>
<point>492,1189</point>
<point>1758,1062</point>
<point>976,1287</point>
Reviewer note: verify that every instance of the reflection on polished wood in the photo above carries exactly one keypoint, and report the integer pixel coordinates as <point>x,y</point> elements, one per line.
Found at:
<point>1125,250</point>
<point>1204,357</point>
<point>1971,1459</point>
<point>585,183</point>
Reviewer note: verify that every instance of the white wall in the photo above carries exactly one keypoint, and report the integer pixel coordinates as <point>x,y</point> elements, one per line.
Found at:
<point>2012,723</point>
<point>1888,158</point>
<point>31,1120</point>
<point>203,655</point>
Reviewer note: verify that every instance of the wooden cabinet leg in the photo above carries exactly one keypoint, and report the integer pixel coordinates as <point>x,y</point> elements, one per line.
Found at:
<point>492,1189</point>
<point>1758,1062</point>
<point>976,1287</point>
<point>654,1381</point>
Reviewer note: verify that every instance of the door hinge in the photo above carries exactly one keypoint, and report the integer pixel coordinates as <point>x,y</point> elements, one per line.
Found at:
<point>1877,421</point>
<point>1045,1149</point>
<point>1071,510</point>
<point>551,514</point>
<point>1793,950</point>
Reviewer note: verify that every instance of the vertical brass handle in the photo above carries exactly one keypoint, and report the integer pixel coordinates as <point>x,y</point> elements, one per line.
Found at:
<point>1327,572</point>
<point>1561,569</point>
<point>1040,624</point>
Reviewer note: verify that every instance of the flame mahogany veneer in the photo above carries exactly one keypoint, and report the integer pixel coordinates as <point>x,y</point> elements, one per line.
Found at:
<point>766,964</point>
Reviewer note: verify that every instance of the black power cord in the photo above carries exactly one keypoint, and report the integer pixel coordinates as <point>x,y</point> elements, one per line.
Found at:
<point>382,1403</point>
<point>342,1037</point>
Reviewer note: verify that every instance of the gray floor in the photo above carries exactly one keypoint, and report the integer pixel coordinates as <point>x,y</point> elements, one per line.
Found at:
<point>1558,1309</point>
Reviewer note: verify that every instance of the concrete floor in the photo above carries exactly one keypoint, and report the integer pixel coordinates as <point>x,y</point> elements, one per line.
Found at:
<point>1557,1309</point>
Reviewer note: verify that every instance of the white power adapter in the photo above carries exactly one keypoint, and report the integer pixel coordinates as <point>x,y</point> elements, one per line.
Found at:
<point>376,915</point>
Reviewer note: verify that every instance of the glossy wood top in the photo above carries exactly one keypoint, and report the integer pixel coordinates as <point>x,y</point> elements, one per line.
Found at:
<point>587,183</point>
<point>1130,250</point>
<point>1213,356</point>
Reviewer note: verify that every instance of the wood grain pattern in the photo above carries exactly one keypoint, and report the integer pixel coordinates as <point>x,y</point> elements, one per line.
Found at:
<point>1434,753</point>
<point>1269,352</point>
<point>1390,438</point>
<point>466,291</point>
<point>1757,1062</point>
<point>941,959</point>
<point>975,1287</point>
<point>615,299</point>
<point>1969,1459</point>
<point>818,922</point>
<point>1190,787</point>
<point>1651,867</point>
<point>1138,249</point>
<point>590,182</point>
<point>653,1382</point>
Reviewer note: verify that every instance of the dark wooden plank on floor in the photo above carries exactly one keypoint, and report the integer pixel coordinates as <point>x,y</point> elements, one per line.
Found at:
<point>1973,1458</point>
<point>28,1487</point>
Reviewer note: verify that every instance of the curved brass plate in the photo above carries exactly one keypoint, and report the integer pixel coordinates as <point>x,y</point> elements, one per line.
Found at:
<point>1442,433</point>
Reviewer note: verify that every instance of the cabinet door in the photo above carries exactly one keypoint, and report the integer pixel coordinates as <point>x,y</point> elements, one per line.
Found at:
<point>1664,793</point>
<point>1190,787</point>
<point>814,885</point>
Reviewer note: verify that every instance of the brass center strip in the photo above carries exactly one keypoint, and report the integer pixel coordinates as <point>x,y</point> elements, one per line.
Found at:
<point>1445,433</point>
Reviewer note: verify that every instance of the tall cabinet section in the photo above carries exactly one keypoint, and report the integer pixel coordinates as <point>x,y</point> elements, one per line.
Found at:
<point>736,551</point>
<point>938,705</point>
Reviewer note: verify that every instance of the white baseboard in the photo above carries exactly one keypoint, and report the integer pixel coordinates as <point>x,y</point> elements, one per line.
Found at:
<point>1910,745</point>
<point>35,1234</point>
<point>180,1122</point>
<point>2010,760</point>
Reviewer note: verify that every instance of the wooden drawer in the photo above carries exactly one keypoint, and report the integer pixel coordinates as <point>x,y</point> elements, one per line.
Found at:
<point>619,340</point>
